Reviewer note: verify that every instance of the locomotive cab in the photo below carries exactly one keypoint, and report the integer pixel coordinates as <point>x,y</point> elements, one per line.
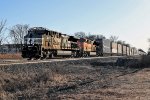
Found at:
<point>32,43</point>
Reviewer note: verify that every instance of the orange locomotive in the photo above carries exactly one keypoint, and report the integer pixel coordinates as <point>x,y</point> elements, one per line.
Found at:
<point>87,47</point>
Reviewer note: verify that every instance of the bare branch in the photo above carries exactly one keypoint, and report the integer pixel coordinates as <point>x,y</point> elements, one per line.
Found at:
<point>114,38</point>
<point>18,32</point>
<point>80,34</point>
<point>2,30</point>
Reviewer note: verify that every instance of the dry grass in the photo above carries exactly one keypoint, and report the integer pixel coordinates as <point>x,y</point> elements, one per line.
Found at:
<point>10,56</point>
<point>32,82</point>
<point>142,62</point>
<point>66,80</point>
<point>145,61</point>
<point>28,85</point>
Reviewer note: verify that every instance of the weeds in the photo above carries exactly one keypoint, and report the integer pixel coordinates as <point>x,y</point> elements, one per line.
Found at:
<point>20,83</point>
<point>143,62</point>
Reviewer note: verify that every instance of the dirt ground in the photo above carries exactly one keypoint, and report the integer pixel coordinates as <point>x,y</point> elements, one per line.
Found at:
<point>75,80</point>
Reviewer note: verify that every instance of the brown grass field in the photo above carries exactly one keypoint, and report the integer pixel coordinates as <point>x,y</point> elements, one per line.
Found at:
<point>10,56</point>
<point>77,80</point>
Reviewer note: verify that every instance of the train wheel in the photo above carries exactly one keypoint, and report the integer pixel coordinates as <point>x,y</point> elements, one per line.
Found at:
<point>75,54</point>
<point>52,55</point>
<point>37,57</point>
<point>86,54</point>
<point>72,55</point>
<point>29,58</point>
<point>43,56</point>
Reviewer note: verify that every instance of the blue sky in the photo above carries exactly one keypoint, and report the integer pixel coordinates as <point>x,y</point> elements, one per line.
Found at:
<point>128,19</point>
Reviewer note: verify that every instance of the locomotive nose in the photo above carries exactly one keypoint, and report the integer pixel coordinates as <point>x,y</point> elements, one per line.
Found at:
<point>29,51</point>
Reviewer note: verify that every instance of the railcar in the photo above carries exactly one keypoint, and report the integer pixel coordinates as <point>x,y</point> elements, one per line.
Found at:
<point>141,52</point>
<point>103,47</point>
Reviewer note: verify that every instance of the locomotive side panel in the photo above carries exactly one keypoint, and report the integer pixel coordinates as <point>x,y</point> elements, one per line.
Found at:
<point>51,40</point>
<point>84,45</point>
<point>93,48</point>
<point>65,44</point>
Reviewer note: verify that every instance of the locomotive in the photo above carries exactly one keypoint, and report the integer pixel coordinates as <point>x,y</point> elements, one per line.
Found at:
<point>44,43</point>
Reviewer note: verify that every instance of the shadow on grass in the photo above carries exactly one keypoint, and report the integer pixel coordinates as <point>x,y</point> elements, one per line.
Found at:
<point>143,62</point>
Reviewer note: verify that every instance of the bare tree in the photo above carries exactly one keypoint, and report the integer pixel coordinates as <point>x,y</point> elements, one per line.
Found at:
<point>2,30</point>
<point>91,37</point>
<point>113,38</point>
<point>100,36</point>
<point>128,44</point>
<point>80,34</point>
<point>17,33</point>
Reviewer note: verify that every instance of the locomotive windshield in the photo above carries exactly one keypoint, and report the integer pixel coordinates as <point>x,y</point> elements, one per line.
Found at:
<point>33,37</point>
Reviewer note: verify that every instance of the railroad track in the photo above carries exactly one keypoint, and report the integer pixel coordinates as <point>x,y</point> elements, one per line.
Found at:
<point>25,61</point>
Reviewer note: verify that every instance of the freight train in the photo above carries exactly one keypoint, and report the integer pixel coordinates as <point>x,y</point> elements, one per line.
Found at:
<point>44,43</point>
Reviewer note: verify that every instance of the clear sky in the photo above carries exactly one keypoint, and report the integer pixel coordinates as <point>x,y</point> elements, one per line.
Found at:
<point>128,19</point>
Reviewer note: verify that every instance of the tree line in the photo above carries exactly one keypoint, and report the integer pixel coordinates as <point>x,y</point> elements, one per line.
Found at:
<point>13,35</point>
<point>99,36</point>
